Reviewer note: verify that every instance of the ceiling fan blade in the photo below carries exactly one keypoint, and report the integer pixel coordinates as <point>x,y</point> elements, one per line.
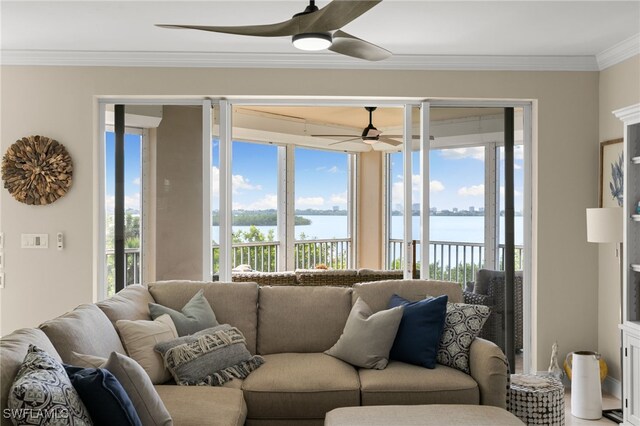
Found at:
<point>344,141</point>
<point>349,45</point>
<point>335,15</point>
<point>331,17</point>
<point>333,136</point>
<point>280,29</point>
<point>413,137</point>
<point>389,141</point>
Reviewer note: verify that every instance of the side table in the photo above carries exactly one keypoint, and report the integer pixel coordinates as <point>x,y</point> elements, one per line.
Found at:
<point>536,400</point>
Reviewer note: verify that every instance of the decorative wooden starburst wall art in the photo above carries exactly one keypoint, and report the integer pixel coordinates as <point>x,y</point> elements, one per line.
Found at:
<point>37,170</point>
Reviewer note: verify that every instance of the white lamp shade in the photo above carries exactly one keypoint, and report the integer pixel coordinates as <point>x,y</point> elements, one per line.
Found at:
<point>604,225</point>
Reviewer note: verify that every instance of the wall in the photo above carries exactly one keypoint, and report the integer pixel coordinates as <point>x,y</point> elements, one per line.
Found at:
<point>619,87</point>
<point>61,102</point>
<point>371,199</point>
<point>178,233</point>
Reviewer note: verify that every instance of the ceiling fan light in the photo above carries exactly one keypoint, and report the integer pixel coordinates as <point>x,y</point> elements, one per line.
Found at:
<point>312,41</point>
<point>369,141</point>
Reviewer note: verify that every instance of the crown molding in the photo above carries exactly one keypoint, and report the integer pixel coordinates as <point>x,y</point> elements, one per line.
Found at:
<point>619,52</point>
<point>294,60</point>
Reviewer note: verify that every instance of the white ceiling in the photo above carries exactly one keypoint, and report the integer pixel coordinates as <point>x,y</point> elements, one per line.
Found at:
<point>410,29</point>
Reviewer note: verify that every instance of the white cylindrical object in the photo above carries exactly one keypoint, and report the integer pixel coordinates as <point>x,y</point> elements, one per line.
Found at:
<point>586,394</point>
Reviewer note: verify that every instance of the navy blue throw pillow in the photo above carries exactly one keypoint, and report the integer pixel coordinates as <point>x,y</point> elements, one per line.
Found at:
<point>420,330</point>
<point>103,395</point>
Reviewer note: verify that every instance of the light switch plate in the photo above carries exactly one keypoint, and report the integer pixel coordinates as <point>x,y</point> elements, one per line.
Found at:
<point>1,279</point>
<point>1,260</point>
<point>35,241</point>
<point>1,240</point>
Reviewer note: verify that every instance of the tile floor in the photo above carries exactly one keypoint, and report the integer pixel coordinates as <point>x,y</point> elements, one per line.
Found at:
<point>608,402</point>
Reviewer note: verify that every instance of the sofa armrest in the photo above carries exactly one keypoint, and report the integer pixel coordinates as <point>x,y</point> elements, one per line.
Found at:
<point>489,368</point>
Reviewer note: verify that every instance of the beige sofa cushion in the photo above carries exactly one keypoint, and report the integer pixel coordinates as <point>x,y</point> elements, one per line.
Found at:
<point>301,319</point>
<point>203,405</point>
<point>139,339</point>
<point>85,330</point>
<point>402,383</point>
<point>131,303</point>
<point>233,303</point>
<point>13,349</point>
<point>422,415</point>
<point>300,386</point>
<point>377,294</point>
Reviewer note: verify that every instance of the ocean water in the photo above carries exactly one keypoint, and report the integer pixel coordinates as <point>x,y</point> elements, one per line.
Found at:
<point>468,229</point>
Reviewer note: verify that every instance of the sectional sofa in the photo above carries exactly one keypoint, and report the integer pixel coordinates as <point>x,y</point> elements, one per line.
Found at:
<point>290,326</point>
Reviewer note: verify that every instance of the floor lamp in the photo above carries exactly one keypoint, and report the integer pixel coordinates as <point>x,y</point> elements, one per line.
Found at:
<point>604,225</point>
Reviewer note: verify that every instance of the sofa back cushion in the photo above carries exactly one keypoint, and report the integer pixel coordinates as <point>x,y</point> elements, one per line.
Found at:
<point>301,319</point>
<point>130,303</point>
<point>233,303</point>
<point>85,330</point>
<point>377,294</point>
<point>13,349</point>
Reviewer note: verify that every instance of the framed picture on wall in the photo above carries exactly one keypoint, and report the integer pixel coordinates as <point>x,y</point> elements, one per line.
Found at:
<point>611,173</point>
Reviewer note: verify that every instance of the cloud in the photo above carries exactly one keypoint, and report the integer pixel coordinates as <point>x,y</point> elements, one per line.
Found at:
<point>471,191</point>
<point>136,181</point>
<point>517,166</point>
<point>339,198</point>
<point>269,201</point>
<point>238,182</point>
<point>516,193</point>
<point>130,202</point>
<point>397,189</point>
<point>309,202</point>
<point>333,169</point>
<point>476,152</point>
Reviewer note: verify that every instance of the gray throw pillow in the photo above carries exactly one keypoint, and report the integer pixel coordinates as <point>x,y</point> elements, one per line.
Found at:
<point>462,324</point>
<point>209,357</point>
<point>42,388</point>
<point>136,383</point>
<point>367,337</point>
<point>196,315</point>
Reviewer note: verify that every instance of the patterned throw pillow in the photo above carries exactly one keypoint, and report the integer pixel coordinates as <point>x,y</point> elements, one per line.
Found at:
<point>462,324</point>
<point>42,393</point>
<point>209,357</point>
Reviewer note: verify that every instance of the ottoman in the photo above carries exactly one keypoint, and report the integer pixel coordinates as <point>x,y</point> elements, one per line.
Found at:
<point>421,415</point>
<point>536,400</point>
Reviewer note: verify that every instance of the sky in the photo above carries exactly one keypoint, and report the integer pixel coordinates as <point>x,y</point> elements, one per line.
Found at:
<point>321,177</point>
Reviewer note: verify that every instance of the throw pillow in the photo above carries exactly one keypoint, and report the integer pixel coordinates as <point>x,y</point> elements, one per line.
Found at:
<point>419,333</point>
<point>210,357</point>
<point>41,391</point>
<point>102,394</point>
<point>140,337</point>
<point>463,322</point>
<point>367,337</point>
<point>136,383</point>
<point>196,315</point>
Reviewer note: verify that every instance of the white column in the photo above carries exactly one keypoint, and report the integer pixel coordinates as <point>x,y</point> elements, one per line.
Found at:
<point>225,183</point>
<point>408,174</point>
<point>491,211</point>
<point>425,147</point>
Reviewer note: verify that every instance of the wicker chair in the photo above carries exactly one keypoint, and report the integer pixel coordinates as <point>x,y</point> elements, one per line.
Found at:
<point>330,277</point>
<point>489,290</point>
<point>265,278</point>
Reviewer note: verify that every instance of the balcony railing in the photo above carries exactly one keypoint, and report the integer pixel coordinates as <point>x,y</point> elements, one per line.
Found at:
<point>132,259</point>
<point>263,255</point>
<point>450,260</point>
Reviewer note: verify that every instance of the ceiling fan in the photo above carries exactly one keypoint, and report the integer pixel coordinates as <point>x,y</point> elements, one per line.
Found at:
<point>313,29</point>
<point>370,135</point>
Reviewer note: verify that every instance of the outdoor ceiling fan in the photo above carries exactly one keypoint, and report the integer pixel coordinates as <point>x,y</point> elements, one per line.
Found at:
<point>313,29</point>
<point>370,135</point>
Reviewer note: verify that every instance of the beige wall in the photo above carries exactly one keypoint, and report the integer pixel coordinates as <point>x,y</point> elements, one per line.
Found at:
<point>619,87</point>
<point>178,232</point>
<point>61,102</point>
<point>370,209</point>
